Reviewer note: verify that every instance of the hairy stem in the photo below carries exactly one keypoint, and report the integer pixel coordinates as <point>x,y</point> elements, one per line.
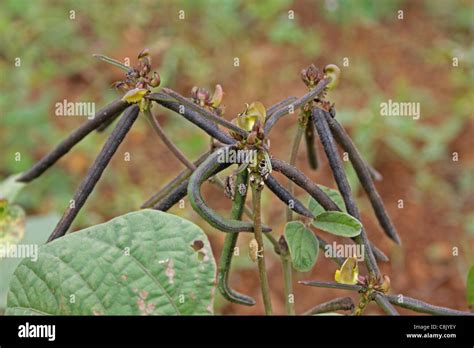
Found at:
<point>287,276</point>
<point>257,220</point>
<point>229,245</point>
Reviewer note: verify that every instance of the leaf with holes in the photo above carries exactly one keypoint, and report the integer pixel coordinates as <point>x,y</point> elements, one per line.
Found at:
<point>303,246</point>
<point>145,262</point>
<point>338,223</point>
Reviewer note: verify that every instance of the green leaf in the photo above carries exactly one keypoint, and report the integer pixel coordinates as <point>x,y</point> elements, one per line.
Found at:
<point>303,246</point>
<point>336,197</point>
<point>145,262</point>
<point>338,223</point>
<point>9,188</point>
<point>470,287</point>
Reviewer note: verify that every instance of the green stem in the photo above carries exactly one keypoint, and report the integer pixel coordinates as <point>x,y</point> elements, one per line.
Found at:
<point>288,281</point>
<point>112,61</point>
<point>257,218</point>
<point>228,249</point>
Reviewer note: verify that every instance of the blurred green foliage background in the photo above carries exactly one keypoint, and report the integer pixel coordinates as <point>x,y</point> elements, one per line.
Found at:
<point>407,59</point>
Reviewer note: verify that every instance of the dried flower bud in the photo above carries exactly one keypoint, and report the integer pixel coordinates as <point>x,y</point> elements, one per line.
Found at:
<point>156,80</point>
<point>203,95</point>
<point>144,53</point>
<point>200,96</point>
<point>311,76</point>
<point>251,138</point>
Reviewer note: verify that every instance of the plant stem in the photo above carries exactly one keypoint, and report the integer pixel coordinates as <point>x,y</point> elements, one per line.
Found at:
<point>109,111</point>
<point>293,155</point>
<point>287,276</point>
<point>95,172</point>
<point>229,245</point>
<point>257,219</point>
<point>340,303</point>
<point>112,61</point>
<point>168,142</point>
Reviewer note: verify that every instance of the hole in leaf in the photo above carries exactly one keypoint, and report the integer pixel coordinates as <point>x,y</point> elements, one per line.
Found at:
<point>197,245</point>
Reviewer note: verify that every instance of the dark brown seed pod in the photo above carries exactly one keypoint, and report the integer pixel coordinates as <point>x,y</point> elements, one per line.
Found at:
<point>96,170</point>
<point>364,176</point>
<point>105,114</point>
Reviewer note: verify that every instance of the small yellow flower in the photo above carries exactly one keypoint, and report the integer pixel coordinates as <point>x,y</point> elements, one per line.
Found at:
<point>135,95</point>
<point>332,71</point>
<point>253,112</point>
<point>348,273</point>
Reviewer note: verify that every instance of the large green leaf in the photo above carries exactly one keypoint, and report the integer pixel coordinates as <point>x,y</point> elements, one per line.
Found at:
<point>470,287</point>
<point>303,246</point>
<point>338,223</point>
<point>145,262</point>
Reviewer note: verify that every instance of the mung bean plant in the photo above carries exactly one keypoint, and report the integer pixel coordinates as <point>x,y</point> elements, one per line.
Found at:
<point>152,262</point>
